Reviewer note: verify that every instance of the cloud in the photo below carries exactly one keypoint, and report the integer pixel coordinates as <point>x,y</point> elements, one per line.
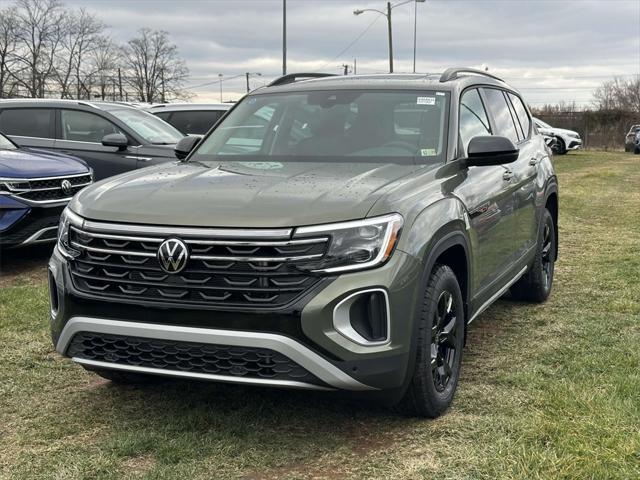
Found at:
<point>551,50</point>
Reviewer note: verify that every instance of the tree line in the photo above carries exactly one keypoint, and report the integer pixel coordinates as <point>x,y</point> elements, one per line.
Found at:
<point>49,50</point>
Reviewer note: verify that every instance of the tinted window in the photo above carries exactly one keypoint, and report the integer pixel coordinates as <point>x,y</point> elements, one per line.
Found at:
<point>163,115</point>
<point>473,117</point>
<point>521,113</point>
<point>197,123</point>
<point>333,125</point>
<point>497,105</point>
<point>148,126</point>
<point>27,122</point>
<point>85,127</point>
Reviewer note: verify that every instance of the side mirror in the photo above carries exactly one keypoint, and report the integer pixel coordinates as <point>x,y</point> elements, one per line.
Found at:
<point>491,150</point>
<point>185,146</point>
<point>115,140</point>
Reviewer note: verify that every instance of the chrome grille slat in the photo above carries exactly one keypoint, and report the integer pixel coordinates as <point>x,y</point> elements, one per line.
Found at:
<point>225,271</point>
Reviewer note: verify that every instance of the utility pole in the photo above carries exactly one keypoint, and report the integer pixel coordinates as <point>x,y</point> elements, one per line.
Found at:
<point>163,100</point>
<point>355,66</point>
<point>284,37</point>
<point>220,77</point>
<point>247,75</point>
<point>390,37</point>
<point>120,82</point>
<point>415,30</point>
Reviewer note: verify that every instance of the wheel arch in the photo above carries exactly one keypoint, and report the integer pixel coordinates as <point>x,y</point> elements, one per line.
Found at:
<point>551,203</point>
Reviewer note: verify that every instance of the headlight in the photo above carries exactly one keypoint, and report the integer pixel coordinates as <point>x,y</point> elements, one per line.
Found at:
<point>355,245</point>
<point>574,135</point>
<point>67,219</point>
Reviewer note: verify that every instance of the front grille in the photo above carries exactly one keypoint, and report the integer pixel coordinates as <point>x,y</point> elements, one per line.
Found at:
<point>48,189</point>
<point>246,362</point>
<point>236,273</point>
<point>35,221</point>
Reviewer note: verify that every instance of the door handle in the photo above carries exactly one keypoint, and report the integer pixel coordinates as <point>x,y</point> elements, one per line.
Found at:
<point>533,162</point>
<point>507,176</point>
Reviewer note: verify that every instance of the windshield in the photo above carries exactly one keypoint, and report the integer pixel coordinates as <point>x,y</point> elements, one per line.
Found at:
<point>5,143</point>
<point>342,125</point>
<point>540,123</point>
<point>148,126</point>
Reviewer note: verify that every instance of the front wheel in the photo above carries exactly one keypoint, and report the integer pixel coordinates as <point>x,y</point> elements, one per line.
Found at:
<point>535,284</point>
<point>439,350</point>
<point>561,148</point>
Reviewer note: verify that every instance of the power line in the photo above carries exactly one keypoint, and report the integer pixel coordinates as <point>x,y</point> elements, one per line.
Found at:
<point>353,42</point>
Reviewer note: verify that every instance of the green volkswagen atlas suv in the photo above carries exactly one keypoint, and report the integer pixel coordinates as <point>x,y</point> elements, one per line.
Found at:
<point>329,233</point>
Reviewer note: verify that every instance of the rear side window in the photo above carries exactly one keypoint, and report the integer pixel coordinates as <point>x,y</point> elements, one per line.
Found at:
<point>521,114</point>
<point>27,122</point>
<point>80,126</point>
<point>197,123</point>
<point>163,115</point>
<point>497,105</point>
<point>473,117</point>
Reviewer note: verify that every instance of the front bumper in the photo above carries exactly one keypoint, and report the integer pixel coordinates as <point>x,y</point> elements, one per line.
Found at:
<point>23,225</point>
<point>573,143</point>
<point>304,333</point>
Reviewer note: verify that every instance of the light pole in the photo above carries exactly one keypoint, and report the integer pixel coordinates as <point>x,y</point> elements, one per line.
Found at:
<point>247,75</point>
<point>284,37</point>
<point>415,31</point>
<point>220,78</point>
<point>388,15</point>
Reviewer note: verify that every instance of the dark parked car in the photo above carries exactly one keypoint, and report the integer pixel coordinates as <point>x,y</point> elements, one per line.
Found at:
<point>630,139</point>
<point>334,233</point>
<point>191,118</point>
<point>35,186</point>
<point>111,137</point>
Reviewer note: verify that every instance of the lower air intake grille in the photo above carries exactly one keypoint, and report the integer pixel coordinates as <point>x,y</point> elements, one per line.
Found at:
<point>247,362</point>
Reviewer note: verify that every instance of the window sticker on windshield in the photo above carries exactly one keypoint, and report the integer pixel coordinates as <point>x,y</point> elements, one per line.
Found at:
<point>426,100</point>
<point>428,152</point>
<point>440,93</point>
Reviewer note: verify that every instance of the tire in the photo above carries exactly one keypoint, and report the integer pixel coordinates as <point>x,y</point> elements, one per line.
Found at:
<point>439,349</point>
<point>126,378</point>
<point>535,285</point>
<point>561,148</point>
<point>636,151</point>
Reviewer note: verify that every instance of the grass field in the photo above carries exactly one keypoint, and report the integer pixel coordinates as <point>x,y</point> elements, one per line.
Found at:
<point>547,391</point>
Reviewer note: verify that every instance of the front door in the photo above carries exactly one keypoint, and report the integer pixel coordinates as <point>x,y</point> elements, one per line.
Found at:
<point>81,134</point>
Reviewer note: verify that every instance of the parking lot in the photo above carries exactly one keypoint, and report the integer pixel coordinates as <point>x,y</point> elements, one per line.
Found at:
<point>547,391</point>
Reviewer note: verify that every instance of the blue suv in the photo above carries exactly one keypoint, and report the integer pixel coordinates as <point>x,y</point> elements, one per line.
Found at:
<point>35,186</point>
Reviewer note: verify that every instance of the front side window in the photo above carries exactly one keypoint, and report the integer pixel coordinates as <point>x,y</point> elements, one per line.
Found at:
<point>27,122</point>
<point>497,104</point>
<point>146,125</point>
<point>78,126</point>
<point>473,117</point>
<point>5,143</point>
<point>361,125</point>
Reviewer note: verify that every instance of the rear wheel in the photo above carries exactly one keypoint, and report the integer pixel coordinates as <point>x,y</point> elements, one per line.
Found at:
<point>439,349</point>
<point>535,284</point>
<point>636,150</point>
<point>561,148</point>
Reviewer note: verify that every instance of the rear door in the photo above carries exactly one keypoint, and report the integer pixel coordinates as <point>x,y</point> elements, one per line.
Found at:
<point>80,133</point>
<point>487,194</point>
<point>525,172</point>
<point>29,127</point>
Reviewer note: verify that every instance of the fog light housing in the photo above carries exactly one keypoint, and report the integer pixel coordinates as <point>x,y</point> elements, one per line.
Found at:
<point>363,317</point>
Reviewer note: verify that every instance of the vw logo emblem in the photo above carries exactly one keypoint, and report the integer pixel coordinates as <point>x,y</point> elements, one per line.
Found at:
<point>173,255</point>
<point>65,185</point>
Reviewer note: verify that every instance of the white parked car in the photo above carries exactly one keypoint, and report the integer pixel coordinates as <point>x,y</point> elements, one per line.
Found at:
<point>565,139</point>
<point>190,118</point>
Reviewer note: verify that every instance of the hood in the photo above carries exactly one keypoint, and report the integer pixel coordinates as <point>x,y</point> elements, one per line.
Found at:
<point>33,163</point>
<point>557,131</point>
<point>240,194</point>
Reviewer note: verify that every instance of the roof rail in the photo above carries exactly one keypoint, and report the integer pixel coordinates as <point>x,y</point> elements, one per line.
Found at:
<point>291,77</point>
<point>452,73</point>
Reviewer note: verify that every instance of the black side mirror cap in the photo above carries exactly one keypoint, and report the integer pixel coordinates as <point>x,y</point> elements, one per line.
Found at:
<point>118,140</point>
<point>490,150</point>
<point>185,146</point>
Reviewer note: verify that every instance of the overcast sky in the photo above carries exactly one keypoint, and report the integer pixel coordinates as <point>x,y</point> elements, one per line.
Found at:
<point>551,50</point>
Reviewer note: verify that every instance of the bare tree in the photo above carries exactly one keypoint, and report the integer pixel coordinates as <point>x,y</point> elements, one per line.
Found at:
<point>105,62</point>
<point>618,94</point>
<point>8,46</point>
<point>81,36</point>
<point>39,29</point>
<point>154,69</point>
